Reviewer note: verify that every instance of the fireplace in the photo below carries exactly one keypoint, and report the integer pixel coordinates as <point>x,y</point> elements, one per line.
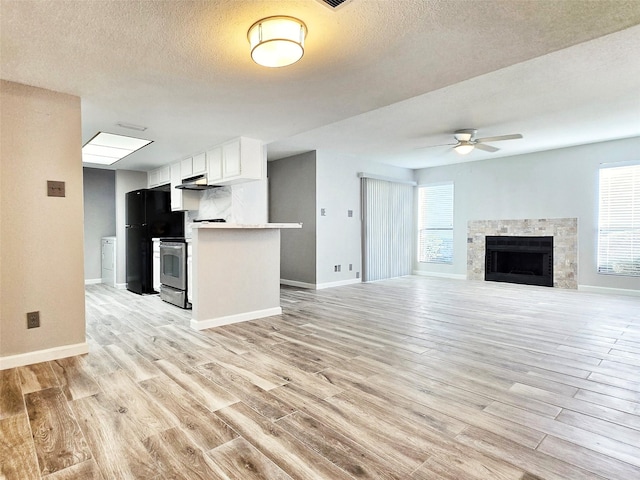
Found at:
<point>526,260</point>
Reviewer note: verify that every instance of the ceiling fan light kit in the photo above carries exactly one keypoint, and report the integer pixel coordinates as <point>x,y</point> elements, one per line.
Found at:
<point>277,41</point>
<point>466,141</point>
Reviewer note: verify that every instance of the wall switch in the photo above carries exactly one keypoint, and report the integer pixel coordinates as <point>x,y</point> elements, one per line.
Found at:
<point>349,213</point>
<point>323,212</point>
<point>339,267</point>
<point>55,189</point>
<point>357,274</point>
<point>33,319</point>
<point>350,266</point>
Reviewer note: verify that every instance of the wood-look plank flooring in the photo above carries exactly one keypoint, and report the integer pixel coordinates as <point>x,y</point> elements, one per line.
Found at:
<point>409,378</point>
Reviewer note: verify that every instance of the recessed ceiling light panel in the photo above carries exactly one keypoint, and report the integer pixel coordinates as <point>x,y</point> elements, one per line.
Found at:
<point>107,148</point>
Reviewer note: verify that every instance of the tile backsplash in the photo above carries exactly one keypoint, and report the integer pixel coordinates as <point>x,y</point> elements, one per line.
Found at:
<point>214,203</point>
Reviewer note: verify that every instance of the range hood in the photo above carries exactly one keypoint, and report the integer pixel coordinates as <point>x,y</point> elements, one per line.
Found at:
<point>199,182</point>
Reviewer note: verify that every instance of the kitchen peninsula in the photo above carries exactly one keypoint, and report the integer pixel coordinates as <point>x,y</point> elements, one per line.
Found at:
<point>236,272</point>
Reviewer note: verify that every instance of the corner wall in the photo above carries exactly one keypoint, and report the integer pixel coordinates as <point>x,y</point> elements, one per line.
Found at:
<point>41,237</point>
<point>559,183</point>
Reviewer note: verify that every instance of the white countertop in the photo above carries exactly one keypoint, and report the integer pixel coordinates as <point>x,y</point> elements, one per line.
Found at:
<point>223,225</point>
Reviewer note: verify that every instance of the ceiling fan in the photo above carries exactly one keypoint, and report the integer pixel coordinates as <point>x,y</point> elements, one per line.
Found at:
<point>467,141</point>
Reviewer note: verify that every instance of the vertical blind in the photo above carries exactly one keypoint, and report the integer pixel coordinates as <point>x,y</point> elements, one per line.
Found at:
<point>435,223</point>
<point>387,243</point>
<point>619,221</point>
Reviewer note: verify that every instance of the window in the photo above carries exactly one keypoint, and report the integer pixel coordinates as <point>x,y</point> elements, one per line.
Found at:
<point>619,221</point>
<point>435,223</point>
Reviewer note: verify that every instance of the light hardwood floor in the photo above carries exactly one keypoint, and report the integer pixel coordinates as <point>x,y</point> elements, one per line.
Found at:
<point>410,378</point>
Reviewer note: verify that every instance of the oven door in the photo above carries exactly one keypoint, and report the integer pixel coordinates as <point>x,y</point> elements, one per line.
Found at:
<point>173,264</point>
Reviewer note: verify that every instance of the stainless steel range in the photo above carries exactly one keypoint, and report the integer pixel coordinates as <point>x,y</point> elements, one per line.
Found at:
<point>173,272</point>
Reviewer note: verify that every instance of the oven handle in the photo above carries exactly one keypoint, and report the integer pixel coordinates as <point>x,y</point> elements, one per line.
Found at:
<point>173,247</point>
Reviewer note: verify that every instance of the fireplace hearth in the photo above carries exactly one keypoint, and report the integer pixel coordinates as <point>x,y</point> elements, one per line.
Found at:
<point>516,259</point>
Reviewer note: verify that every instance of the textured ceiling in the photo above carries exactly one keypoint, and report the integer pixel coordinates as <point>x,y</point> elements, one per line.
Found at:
<point>379,78</point>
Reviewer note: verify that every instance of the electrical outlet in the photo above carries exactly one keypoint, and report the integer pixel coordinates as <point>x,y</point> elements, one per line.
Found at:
<point>33,319</point>
<point>339,267</point>
<point>350,266</point>
<point>323,212</point>
<point>349,213</point>
<point>335,268</point>
<point>357,274</point>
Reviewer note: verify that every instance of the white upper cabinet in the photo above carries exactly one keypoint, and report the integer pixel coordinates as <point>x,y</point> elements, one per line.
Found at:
<point>193,166</point>
<point>199,164</point>
<point>240,160</point>
<point>159,176</point>
<point>186,168</point>
<point>214,164</point>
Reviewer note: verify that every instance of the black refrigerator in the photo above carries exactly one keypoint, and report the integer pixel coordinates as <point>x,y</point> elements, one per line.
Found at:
<point>148,215</point>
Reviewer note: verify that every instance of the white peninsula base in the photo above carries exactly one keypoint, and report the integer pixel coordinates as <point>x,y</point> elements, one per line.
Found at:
<point>236,272</point>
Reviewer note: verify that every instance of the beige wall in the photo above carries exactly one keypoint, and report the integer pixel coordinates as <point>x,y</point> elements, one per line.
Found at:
<point>41,237</point>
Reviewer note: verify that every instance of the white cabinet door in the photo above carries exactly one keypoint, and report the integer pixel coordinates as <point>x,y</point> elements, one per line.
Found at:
<point>186,168</point>
<point>189,274</point>
<point>231,159</point>
<point>214,165</point>
<point>156,265</point>
<point>176,195</point>
<point>199,163</point>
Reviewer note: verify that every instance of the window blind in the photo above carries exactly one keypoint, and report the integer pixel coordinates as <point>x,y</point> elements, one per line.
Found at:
<point>435,223</point>
<point>619,221</point>
<point>387,234</point>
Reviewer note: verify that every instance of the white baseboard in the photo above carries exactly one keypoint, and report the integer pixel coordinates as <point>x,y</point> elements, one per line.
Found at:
<point>29,358</point>
<point>121,286</point>
<point>609,291</point>
<point>92,281</point>
<point>456,276</point>
<point>229,319</point>
<point>319,286</point>
<point>351,281</point>
<point>294,283</point>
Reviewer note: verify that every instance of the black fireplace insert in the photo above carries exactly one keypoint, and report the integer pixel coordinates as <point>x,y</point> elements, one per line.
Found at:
<point>526,260</point>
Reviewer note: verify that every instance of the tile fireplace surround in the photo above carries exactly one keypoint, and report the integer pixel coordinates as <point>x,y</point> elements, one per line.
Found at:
<point>565,244</point>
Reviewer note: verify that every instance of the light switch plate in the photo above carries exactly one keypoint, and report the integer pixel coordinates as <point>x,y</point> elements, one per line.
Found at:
<point>55,189</point>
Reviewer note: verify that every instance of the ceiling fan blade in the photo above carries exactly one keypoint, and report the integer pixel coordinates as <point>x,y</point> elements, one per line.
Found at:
<point>441,145</point>
<point>485,147</point>
<point>498,138</point>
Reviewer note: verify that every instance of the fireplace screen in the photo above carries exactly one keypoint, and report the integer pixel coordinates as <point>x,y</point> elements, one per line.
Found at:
<point>527,260</point>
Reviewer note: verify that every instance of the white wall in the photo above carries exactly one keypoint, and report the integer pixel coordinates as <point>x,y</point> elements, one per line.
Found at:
<point>126,181</point>
<point>41,237</point>
<point>338,190</point>
<point>99,217</point>
<point>552,184</point>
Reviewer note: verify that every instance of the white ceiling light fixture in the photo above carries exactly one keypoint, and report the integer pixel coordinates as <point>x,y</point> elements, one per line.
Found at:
<point>107,148</point>
<point>464,147</point>
<point>277,41</point>
<point>465,143</point>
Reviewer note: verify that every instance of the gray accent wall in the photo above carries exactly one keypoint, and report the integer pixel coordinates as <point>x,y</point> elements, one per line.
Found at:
<point>553,184</point>
<point>99,217</point>
<point>292,198</point>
